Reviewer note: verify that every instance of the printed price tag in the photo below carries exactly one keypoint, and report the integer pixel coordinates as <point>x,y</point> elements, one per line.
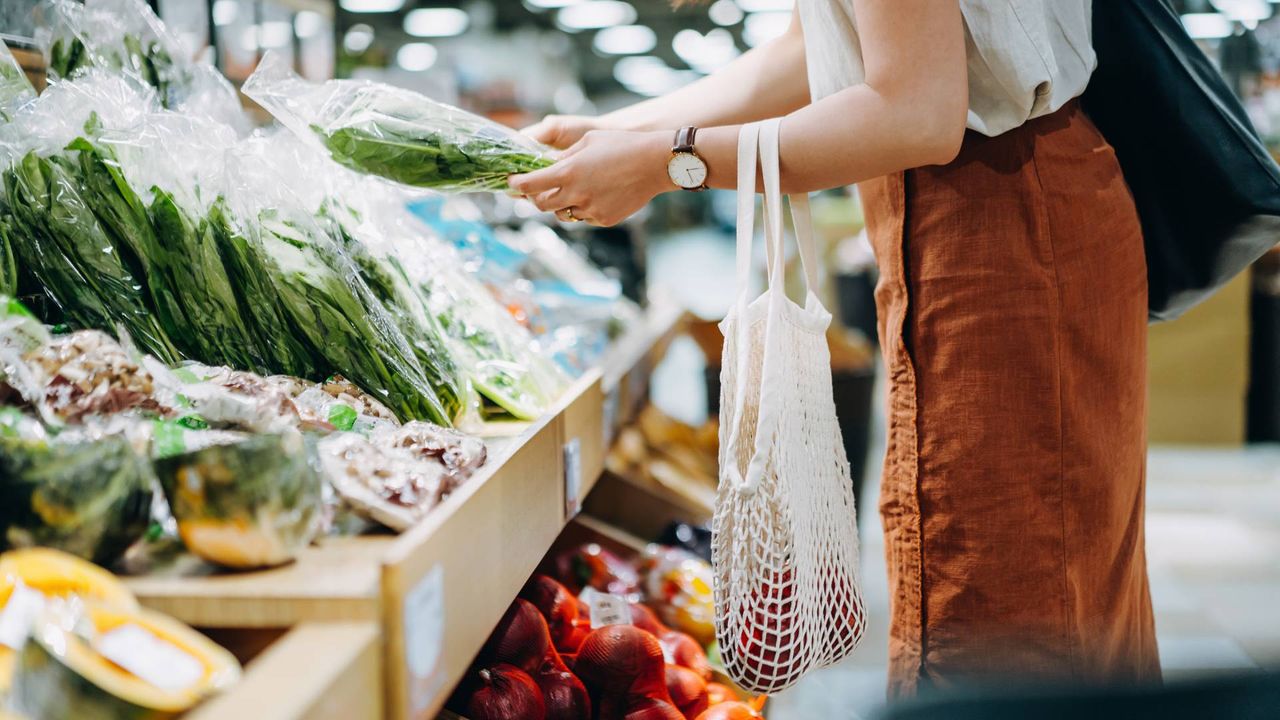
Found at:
<point>606,609</point>
<point>19,614</point>
<point>572,477</point>
<point>609,417</point>
<point>151,659</point>
<point>424,635</point>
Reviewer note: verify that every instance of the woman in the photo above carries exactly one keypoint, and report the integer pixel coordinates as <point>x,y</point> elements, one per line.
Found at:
<point>1012,303</point>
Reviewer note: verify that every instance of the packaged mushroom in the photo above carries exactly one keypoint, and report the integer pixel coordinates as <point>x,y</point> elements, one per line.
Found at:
<point>396,476</point>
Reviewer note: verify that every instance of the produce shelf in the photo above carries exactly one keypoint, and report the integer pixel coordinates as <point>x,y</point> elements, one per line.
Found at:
<point>316,671</point>
<point>433,593</point>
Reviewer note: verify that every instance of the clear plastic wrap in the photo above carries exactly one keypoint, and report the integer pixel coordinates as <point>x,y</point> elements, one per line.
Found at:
<point>244,502</point>
<point>500,358</point>
<point>570,306</point>
<point>89,496</point>
<point>397,475</point>
<point>395,133</point>
<point>15,88</point>
<point>125,37</point>
<point>84,262</point>
<point>299,271</point>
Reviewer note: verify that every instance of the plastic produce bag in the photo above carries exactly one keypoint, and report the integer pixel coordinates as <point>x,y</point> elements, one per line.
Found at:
<point>251,502</point>
<point>290,265</point>
<point>500,358</point>
<point>88,268</point>
<point>394,133</point>
<point>15,88</point>
<point>87,496</point>
<point>396,475</point>
<point>125,37</point>
<point>569,306</point>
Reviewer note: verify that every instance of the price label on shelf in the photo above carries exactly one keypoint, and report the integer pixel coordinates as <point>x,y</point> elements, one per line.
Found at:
<point>606,609</point>
<point>609,417</point>
<point>424,635</point>
<point>572,477</point>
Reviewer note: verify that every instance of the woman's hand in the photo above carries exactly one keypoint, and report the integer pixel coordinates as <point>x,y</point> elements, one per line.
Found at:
<point>603,178</point>
<point>562,131</point>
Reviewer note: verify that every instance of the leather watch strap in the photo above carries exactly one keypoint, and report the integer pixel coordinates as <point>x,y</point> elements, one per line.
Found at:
<point>684,139</point>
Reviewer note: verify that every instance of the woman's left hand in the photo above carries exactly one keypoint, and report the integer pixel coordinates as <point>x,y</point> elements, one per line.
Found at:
<point>603,178</point>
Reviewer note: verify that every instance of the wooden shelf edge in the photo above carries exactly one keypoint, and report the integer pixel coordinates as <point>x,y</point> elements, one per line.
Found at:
<point>332,581</point>
<point>317,671</point>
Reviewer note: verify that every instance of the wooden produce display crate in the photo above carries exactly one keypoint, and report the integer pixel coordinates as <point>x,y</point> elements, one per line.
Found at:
<point>424,600</point>
<point>316,671</point>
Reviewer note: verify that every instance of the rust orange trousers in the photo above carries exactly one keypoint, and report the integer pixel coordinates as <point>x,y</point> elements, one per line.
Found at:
<point>1013,312</point>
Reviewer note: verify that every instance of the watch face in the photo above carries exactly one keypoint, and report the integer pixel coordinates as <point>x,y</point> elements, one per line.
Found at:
<point>687,170</point>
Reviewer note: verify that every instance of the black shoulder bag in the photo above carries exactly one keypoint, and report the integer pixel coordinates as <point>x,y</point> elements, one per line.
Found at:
<point>1207,190</point>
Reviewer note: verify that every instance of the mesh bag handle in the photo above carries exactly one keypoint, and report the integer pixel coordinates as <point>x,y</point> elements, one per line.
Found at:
<point>758,142</point>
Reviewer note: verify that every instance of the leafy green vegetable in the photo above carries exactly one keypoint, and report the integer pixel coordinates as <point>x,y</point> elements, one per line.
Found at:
<point>15,88</point>
<point>57,239</point>
<point>343,321</point>
<point>429,158</point>
<point>390,285</point>
<point>145,59</point>
<point>8,268</point>
<point>270,326</point>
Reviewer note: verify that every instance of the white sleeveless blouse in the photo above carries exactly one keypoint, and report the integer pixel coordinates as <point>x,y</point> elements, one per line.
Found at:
<point>1026,58</point>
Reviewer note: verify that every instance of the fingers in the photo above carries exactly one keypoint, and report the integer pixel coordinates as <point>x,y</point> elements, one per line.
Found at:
<point>545,131</point>
<point>551,201</point>
<point>538,181</point>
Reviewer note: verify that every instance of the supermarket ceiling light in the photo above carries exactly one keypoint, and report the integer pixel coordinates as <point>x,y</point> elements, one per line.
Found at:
<point>634,70</point>
<point>595,14</point>
<point>1244,10</point>
<point>550,4</point>
<point>762,27</point>
<point>272,34</point>
<point>225,12</point>
<point>358,39</point>
<point>625,40</point>
<point>1206,26</point>
<point>649,75</point>
<point>756,6</point>
<point>726,13</point>
<point>436,22</point>
<point>705,53</point>
<point>416,57</point>
<point>371,6</point>
<point>308,23</point>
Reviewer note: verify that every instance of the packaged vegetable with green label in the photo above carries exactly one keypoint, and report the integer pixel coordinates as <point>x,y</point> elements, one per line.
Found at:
<point>395,133</point>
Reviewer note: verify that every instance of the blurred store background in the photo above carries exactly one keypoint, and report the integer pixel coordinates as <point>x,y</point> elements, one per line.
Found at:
<point>1214,472</point>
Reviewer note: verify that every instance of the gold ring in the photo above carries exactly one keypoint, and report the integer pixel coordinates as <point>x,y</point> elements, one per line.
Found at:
<point>569,216</point>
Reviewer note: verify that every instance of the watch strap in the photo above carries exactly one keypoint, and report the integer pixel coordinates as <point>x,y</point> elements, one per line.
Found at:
<point>684,139</point>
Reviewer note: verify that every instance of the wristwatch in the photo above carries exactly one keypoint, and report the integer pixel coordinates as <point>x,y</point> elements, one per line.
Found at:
<point>686,168</point>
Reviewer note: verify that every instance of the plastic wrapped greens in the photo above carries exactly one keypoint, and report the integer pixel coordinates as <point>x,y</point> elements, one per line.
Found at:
<point>125,37</point>
<point>15,88</point>
<point>130,220</point>
<point>394,133</point>
<point>87,264</point>
<point>324,297</point>
<point>499,357</point>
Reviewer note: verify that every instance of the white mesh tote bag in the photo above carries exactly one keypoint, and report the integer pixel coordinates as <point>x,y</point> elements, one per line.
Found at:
<point>785,534</point>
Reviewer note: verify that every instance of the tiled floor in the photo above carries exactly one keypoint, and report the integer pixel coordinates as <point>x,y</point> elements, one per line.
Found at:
<point>1213,532</point>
